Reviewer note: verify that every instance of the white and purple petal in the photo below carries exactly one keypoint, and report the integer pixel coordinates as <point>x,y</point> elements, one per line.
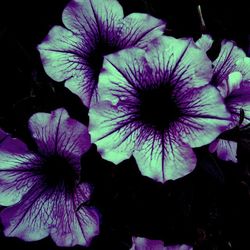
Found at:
<point>57,133</point>
<point>225,150</point>
<point>42,212</point>
<point>140,243</point>
<point>163,157</point>
<point>119,122</point>
<point>112,131</point>
<point>226,62</point>
<point>237,100</point>
<point>45,202</point>
<point>179,62</point>
<point>95,28</point>
<point>16,163</point>
<point>231,83</point>
<point>205,116</point>
<point>205,42</point>
<point>64,56</point>
<point>89,17</point>
<point>139,29</point>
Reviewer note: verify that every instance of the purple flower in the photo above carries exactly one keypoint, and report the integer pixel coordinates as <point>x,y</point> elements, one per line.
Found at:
<point>157,105</point>
<point>231,75</point>
<point>94,28</point>
<point>140,243</point>
<point>43,189</point>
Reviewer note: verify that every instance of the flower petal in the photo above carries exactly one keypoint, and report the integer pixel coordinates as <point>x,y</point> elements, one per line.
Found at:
<point>64,57</point>
<point>16,177</point>
<point>226,150</point>
<point>42,212</point>
<point>75,224</point>
<point>112,132</point>
<point>29,219</point>
<point>96,22</point>
<point>205,42</point>
<point>139,29</point>
<point>140,243</point>
<point>230,84</point>
<point>89,16</point>
<point>111,120</point>
<point>162,157</point>
<point>243,66</point>
<point>204,116</point>
<point>226,61</point>
<point>179,247</point>
<point>179,61</point>
<point>237,100</point>
<point>58,133</point>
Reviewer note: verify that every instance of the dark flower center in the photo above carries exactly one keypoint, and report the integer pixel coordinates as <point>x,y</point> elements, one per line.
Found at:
<point>96,56</point>
<point>57,171</point>
<point>158,107</point>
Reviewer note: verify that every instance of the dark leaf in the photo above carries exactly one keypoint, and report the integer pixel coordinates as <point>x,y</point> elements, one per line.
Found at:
<point>208,164</point>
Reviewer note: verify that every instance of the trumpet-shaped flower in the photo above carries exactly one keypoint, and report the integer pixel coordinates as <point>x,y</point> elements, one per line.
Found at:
<point>42,189</point>
<point>94,28</point>
<point>157,105</point>
<point>231,75</point>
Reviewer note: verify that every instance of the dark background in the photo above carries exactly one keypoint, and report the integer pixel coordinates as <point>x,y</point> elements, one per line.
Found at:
<point>209,208</point>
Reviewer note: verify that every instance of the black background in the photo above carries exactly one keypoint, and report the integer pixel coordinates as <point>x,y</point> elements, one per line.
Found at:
<point>209,208</point>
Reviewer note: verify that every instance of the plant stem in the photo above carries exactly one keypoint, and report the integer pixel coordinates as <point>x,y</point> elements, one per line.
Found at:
<point>203,24</point>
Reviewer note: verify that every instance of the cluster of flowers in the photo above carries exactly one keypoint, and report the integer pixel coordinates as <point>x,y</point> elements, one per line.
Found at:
<point>150,96</point>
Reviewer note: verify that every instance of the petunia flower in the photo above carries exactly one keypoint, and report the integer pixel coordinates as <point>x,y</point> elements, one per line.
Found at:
<point>157,105</point>
<point>231,75</point>
<point>140,243</point>
<point>42,190</point>
<point>94,28</point>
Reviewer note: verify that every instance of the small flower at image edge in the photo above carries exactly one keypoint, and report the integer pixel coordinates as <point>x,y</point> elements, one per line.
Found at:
<point>231,75</point>
<point>140,243</point>
<point>94,28</point>
<point>157,106</point>
<point>42,190</point>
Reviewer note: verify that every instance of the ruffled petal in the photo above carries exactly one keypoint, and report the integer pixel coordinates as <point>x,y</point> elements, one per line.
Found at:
<point>61,53</point>
<point>243,66</point>
<point>112,131</point>
<point>226,62</point>
<point>96,28</point>
<point>42,212</point>
<point>122,73</point>
<point>230,84</point>
<point>98,23</point>
<point>89,16</point>
<point>237,100</point>
<point>58,133</point>
<point>225,150</point>
<point>205,42</point>
<point>74,224</point>
<point>29,219</point>
<point>111,124</point>
<point>204,116</point>
<point>179,62</point>
<point>163,157</point>
<point>140,29</point>
<point>179,247</point>
<point>16,176</point>
<point>64,57</point>
<point>140,243</point>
